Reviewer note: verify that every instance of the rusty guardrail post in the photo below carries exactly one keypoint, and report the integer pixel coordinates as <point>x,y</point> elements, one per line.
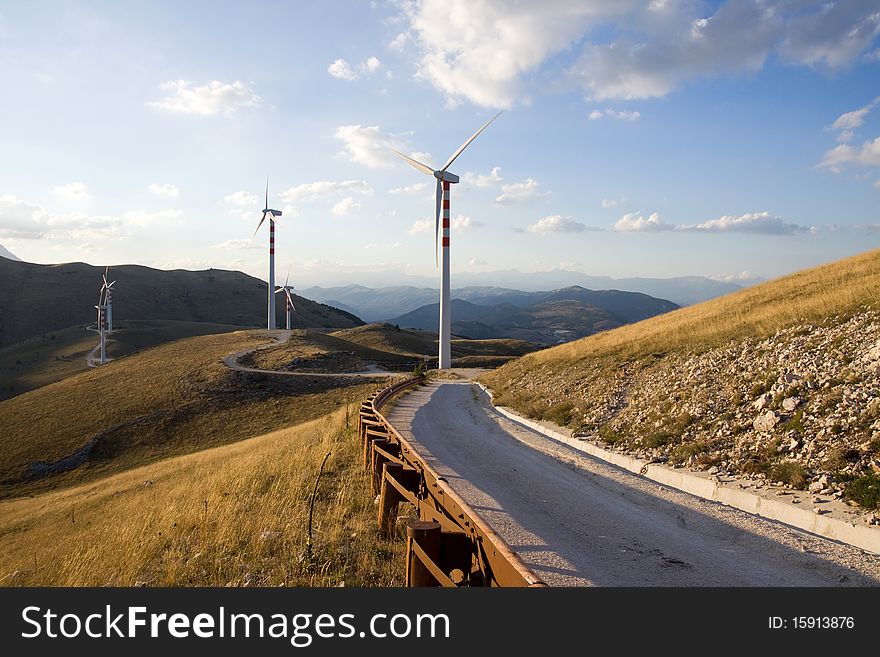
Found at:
<point>378,461</point>
<point>369,436</point>
<point>389,499</point>
<point>427,536</point>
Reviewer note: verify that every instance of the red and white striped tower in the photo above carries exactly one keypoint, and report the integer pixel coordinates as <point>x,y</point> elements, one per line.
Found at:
<point>271,318</point>
<point>441,212</point>
<point>445,342</point>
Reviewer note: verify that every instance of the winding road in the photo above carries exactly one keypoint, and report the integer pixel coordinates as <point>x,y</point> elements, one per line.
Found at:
<point>578,521</point>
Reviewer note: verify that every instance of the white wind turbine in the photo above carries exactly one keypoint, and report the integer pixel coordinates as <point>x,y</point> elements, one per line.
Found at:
<point>441,197</point>
<point>289,300</point>
<point>268,212</point>
<point>101,324</point>
<point>107,300</point>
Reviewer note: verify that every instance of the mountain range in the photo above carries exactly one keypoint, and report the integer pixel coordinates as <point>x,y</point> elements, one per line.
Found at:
<point>539,317</point>
<point>383,303</point>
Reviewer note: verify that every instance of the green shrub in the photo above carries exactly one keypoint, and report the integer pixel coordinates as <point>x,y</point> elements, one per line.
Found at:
<point>560,413</point>
<point>791,473</point>
<point>865,490</point>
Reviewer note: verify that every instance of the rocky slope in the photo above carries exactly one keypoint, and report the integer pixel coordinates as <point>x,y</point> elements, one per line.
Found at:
<point>799,409</point>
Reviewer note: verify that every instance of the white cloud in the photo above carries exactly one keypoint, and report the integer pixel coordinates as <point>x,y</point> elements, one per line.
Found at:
<point>416,188</point>
<point>480,49</point>
<point>75,191</point>
<point>459,223</point>
<point>399,42</point>
<point>482,179</point>
<point>489,51</point>
<point>213,98</point>
<point>422,226</point>
<point>636,223</point>
<point>242,199</point>
<point>877,184</point>
<point>164,190</point>
<point>235,245</point>
<point>142,218</point>
<point>752,222</point>
<point>608,203</point>
<point>854,119</point>
<point>20,220</point>
<point>345,206</point>
<point>368,145</point>
<point>464,223</point>
<point>314,191</point>
<point>867,155</point>
<point>371,65</point>
<point>342,70</point>
<point>557,224</point>
<point>520,191</point>
<point>622,115</point>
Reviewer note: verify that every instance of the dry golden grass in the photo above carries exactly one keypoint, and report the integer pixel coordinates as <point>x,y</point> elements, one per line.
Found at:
<point>169,400</point>
<point>838,288</point>
<point>387,338</point>
<point>321,352</point>
<point>232,515</point>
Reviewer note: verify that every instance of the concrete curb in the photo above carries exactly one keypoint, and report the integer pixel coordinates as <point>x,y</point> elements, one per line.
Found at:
<point>862,537</point>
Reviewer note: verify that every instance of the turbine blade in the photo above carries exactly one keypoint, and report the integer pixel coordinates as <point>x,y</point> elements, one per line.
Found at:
<point>260,224</point>
<point>465,144</point>
<point>290,299</point>
<point>438,198</point>
<point>267,190</point>
<point>287,280</point>
<point>424,168</point>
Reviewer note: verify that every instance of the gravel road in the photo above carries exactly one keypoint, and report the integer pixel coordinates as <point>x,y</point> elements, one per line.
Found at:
<point>578,521</point>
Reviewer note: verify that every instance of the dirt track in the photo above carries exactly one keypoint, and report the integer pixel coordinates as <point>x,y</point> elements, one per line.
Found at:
<point>578,521</point>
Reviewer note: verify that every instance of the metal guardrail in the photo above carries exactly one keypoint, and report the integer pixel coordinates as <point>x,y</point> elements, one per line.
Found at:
<point>449,544</point>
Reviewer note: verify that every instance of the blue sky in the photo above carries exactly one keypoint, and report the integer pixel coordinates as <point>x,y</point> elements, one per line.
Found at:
<point>657,138</point>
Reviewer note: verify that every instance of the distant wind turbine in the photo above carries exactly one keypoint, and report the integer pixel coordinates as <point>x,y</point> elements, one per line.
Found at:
<point>286,289</point>
<point>441,198</point>
<point>107,300</point>
<point>268,212</point>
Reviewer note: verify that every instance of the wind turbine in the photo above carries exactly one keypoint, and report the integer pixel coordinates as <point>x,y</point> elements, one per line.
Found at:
<point>101,324</point>
<point>441,198</point>
<point>107,297</point>
<point>286,289</point>
<point>268,212</point>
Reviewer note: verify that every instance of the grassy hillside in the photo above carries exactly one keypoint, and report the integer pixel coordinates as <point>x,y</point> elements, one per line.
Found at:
<point>780,381</point>
<point>53,356</point>
<point>353,350</point>
<point>37,299</point>
<point>229,516</point>
<point>168,400</point>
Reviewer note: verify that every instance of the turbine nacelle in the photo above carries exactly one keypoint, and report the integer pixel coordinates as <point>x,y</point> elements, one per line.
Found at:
<point>445,176</point>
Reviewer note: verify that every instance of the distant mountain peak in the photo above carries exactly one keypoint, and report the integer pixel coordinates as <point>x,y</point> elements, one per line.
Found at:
<point>9,255</point>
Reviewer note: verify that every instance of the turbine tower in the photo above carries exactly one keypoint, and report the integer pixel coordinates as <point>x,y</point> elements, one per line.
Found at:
<point>289,300</point>
<point>102,320</point>
<point>107,300</point>
<point>268,212</point>
<point>441,198</point>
